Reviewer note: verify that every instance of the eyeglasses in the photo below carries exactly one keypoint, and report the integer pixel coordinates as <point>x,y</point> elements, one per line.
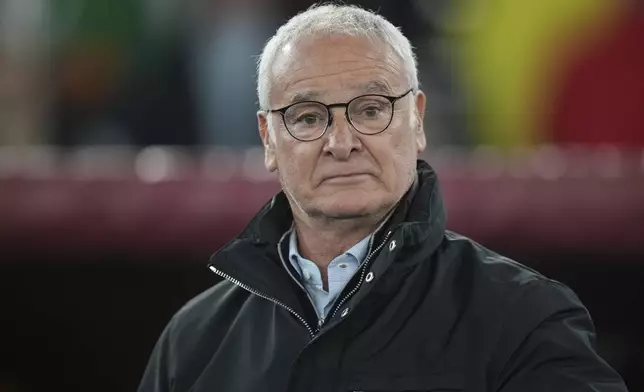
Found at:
<point>368,114</point>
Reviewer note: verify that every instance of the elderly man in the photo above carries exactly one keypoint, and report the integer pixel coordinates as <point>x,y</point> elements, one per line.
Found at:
<point>347,280</point>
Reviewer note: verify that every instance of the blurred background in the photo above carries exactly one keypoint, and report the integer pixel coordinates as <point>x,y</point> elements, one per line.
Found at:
<point>129,153</point>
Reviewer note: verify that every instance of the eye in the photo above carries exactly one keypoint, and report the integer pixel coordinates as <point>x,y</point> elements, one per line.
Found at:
<point>306,114</point>
<point>370,108</point>
<point>309,119</point>
<point>371,111</point>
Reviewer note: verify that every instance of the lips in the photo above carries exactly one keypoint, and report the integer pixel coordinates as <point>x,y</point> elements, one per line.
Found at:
<point>343,175</point>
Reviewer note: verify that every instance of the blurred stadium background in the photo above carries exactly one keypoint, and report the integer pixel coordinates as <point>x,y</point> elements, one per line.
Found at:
<point>129,153</point>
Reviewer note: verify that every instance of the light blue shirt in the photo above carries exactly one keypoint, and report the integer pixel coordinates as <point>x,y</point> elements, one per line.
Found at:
<point>340,271</point>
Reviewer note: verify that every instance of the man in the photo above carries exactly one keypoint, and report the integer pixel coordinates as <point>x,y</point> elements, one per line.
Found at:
<point>347,280</point>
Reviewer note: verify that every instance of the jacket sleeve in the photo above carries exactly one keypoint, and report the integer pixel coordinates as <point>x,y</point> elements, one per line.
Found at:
<point>159,373</point>
<point>549,344</point>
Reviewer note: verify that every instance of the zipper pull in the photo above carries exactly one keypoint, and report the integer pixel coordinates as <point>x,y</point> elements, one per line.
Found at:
<point>320,322</point>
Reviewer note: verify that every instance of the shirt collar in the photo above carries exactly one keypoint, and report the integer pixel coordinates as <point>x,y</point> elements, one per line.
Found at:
<point>358,251</point>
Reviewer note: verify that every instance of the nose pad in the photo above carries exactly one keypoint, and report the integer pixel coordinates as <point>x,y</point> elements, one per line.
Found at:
<point>346,117</point>
<point>331,117</point>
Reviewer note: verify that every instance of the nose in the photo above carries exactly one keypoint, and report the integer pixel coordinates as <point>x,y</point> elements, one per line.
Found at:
<point>342,139</point>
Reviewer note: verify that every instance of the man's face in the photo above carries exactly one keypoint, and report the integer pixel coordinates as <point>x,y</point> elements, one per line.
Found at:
<point>344,174</point>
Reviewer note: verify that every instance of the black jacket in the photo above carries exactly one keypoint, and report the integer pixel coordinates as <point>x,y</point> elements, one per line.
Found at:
<point>429,310</point>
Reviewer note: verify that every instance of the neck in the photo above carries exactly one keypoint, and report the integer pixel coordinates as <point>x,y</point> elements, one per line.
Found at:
<point>321,241</point>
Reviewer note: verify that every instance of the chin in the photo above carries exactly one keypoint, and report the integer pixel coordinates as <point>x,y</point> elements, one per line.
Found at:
<point>345,214</point>
<point>345,206</point>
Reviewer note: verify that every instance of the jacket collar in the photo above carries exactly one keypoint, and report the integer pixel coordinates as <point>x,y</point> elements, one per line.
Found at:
<point>421,214</point>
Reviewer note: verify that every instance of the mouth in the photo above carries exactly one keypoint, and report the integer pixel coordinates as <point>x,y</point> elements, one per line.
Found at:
<point>346,178</point>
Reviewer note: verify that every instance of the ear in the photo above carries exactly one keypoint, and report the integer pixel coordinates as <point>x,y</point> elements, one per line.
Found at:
<point>268,140</point>
<point>421,140</point>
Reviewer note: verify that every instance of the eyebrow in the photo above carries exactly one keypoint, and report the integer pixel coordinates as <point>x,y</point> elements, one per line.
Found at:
<point>375,87</point>
<point>371,87</point>
<point>305,96</point>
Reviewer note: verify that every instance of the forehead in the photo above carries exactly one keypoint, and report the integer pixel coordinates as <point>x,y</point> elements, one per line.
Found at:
<point>335,67</point>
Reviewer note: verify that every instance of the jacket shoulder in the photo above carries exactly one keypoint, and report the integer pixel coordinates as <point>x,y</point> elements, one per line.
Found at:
<point>222,300</point>
<point>190,337</point>
<point>198,328</point>
<point>537,333</point>
<point>505,281</point>
<point>494,267</point>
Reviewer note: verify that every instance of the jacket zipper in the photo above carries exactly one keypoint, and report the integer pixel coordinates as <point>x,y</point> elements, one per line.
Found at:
<point>257,293</point>
<point>359,284</point>
<point>312,333</point>
<point>279,251</point>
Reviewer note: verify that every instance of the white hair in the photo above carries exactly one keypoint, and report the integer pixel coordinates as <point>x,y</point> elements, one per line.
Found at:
<point>330,19</point>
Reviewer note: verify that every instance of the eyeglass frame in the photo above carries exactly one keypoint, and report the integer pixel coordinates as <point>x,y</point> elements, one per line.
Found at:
<point>391,99</point>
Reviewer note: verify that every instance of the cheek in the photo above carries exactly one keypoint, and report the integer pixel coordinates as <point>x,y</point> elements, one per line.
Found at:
<point>402,135</point>
<point>295,165</point>
<point>402,144</point>
<point>402,153</point>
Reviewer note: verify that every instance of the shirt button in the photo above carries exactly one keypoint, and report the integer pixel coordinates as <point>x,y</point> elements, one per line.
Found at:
<point>392,245</point>
<point>369,277</point>
<point>345,312</point>
<point>306,274</point>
